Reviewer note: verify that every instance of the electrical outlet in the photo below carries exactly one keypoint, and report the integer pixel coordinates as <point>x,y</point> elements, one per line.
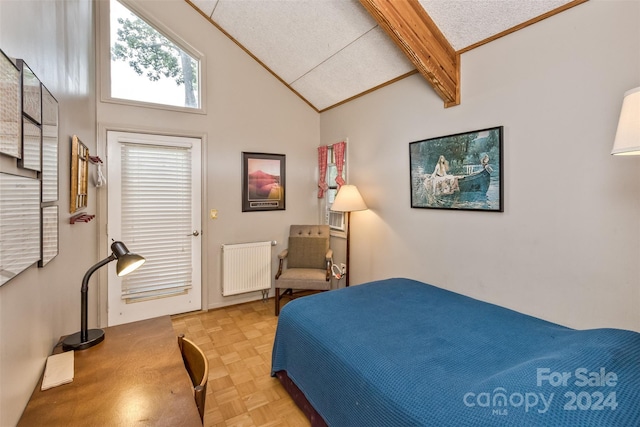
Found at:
<point>343,268</point>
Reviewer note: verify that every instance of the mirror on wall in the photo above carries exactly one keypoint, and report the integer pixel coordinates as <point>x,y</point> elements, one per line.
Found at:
<point>29,190</point>
<point>49,235</point>
<point>10,108</point>
<point>31,143</point>
<point>49,147</point>
<point>19,224</point>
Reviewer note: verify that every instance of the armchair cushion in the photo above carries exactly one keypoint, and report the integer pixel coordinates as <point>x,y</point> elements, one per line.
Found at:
<point>307,252</point>
<point>304,278</point>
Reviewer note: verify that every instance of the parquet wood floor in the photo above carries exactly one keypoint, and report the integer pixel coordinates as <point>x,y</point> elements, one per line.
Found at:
<point>238,341</point>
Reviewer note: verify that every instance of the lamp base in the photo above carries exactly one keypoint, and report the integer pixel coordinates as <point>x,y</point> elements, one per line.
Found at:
<point>74,342</point>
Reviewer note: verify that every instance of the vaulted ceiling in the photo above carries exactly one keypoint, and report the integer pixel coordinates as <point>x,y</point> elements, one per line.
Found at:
<point>331,51</point>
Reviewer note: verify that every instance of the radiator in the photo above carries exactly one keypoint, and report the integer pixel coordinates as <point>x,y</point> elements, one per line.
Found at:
<point>246,267</point>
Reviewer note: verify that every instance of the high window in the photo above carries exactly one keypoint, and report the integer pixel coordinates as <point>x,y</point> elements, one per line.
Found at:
<point>147,65</point>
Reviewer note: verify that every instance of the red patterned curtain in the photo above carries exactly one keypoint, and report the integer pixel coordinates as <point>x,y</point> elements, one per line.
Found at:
<point>338,152</point>
<point>322,167</point>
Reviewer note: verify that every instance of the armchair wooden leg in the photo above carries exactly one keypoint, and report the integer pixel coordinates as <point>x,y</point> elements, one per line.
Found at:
<point>277,301</point>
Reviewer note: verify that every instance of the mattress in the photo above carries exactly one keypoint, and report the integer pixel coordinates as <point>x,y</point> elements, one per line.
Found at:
<point>399,352</point>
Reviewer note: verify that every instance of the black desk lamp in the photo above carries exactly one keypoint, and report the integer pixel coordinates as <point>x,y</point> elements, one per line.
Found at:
<point>127,262</point>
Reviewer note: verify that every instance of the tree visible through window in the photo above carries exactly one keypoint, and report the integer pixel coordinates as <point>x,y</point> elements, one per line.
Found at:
<point>155,68</point>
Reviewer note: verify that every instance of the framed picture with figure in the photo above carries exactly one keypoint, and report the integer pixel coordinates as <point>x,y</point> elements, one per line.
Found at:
<point>463,171</point>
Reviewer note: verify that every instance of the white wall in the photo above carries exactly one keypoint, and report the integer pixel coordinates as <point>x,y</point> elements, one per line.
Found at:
<point>247,109</point>
<point>567,247</point>
<point>41,304</point>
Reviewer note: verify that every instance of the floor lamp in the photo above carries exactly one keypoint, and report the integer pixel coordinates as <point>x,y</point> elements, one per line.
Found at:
<point>627,140</point>
<point>348,200</point>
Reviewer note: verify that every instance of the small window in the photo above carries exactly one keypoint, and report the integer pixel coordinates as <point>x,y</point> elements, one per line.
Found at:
<point>147,66</point>
<point>334,219</point>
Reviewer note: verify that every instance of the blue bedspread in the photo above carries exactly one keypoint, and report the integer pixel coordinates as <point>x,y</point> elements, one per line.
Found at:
<point>403,353</point>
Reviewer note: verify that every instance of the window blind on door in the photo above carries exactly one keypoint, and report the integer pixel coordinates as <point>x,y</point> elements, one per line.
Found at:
<point>157,219</point>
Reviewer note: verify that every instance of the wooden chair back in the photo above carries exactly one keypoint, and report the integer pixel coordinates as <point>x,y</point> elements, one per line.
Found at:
<point>197,365</point>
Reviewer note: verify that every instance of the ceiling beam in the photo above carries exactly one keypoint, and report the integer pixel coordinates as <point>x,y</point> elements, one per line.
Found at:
<point>415,33</point>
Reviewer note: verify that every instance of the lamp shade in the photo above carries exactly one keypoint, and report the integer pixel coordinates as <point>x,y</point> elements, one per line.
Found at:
<point>348,199</point>
<point>127,261</point>
<point>627,140</point>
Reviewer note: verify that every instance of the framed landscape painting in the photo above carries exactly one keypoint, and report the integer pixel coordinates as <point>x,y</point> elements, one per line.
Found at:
<point>461,171</point>
<point>263,182</point>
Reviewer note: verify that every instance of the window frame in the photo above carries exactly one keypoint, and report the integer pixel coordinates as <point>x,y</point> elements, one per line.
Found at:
<point>333,187</point>
<point>104,58</point>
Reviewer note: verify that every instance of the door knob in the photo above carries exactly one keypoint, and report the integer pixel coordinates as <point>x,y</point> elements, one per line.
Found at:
<point>195,233</point>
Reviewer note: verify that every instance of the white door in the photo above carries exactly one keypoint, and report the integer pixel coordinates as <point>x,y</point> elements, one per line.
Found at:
<point>154,191</point>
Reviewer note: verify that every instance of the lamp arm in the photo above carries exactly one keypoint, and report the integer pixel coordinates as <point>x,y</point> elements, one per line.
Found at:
<point>87,275</point>
<point>84,296</point>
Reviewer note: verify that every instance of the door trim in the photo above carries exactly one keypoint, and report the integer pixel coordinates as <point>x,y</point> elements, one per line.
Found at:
<point>101,288</point>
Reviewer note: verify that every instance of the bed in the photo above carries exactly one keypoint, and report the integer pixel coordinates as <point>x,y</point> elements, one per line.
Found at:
<point>399,352</point>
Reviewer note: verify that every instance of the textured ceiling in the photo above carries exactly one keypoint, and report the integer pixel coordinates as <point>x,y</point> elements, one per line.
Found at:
<point>467,22</point>
<point>329,51</point>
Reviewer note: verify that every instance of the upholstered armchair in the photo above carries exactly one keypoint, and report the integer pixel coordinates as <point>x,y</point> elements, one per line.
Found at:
<point>308,261</point>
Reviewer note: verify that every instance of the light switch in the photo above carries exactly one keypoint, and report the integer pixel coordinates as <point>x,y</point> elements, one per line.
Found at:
<point>213,214</point>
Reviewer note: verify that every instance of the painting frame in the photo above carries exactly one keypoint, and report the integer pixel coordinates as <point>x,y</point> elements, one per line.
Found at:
<point>10,107</point>
<point>263,182</point>
<point>462,171</point>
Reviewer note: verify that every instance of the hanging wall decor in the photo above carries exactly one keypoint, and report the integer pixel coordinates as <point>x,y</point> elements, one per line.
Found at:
<point>19,224</point>
<point>263,182</point>
<point>10,108</point>
<point>28,132</point>
<point>31,120</point>
<point>49,235</point>
<point>31,93</point>
<point>461,171</point>
<point>31,145</point>
<point>49,147</point>
<point>79,174</point>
